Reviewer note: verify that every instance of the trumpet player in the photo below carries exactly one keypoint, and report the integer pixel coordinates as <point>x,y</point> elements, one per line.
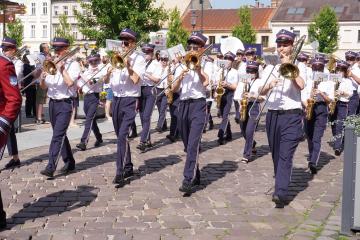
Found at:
<point>60,91</point>
<point>318,95</point>
<point>192,112</point>
<point>126,87</point>
<point>229,83</point>
<point>248,125</point>
<point>344,92</point>
<point>91,89</point>
<point>354,75</point>
<point>284,117</point>
<point>147,100</point>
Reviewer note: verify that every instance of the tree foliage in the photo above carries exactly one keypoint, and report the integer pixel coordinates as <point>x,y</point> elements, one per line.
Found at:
<point>176,34</point>
<point>104,19</point>
<point>325,29</point>
<point>64,29</point>
<point>15,30</point>
<point>244,31</point>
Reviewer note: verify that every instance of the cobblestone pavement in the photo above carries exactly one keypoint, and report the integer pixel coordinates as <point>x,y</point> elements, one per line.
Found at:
<point>233,201</point>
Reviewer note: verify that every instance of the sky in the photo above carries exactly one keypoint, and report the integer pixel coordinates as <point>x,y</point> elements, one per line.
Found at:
<point>235,3</point>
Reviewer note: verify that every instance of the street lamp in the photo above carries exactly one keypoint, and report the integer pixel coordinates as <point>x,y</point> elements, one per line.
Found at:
<point>193,19</point>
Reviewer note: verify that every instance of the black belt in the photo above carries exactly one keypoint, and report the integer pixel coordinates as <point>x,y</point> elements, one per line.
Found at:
<point>193,100</point>
<point>61,100</point>
<point>342,102</point>
<point>320,103</point>
<point>289,111</point>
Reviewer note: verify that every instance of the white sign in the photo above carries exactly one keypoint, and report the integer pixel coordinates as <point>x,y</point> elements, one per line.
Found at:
<point>176,51</point>
<point>320,77</point>
<point>335,77</point>
<point>223,63</point>
<point>113,45</point>
<point>245,78</point>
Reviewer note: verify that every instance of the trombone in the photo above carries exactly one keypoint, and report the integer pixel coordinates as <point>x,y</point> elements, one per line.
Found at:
<point>286,70</point>
<point>192,59</point>
<point>118,60</point>
<point>50,66</point>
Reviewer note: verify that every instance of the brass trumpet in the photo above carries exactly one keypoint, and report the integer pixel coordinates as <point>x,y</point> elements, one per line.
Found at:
<point>50,66</point>
<point>118,60</point>
<point>193,58</point>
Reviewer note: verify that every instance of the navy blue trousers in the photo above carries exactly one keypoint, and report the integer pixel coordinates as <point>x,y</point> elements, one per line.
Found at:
<point>353,103</point>
<point>91,102</point>
<point>174,112</point>
<point>208,113</point>
<point>337,125</point>
<point>60,115</point>
<point>147,103</point>
<point>237,110</point>
<point>225,107</point>
<point>124,112</point>
<point>192,117</point>
<point>248,127</point>
<point>314,130</point>
<point>12,142</point>
<point>284,132</point>
<point>161,103</point>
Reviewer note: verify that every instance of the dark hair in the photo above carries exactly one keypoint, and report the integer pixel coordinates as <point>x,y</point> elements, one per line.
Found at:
<point>42,47</point>
<point>343,70</point>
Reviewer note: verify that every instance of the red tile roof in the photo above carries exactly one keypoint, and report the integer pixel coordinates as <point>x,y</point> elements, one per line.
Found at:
<point>226,19</point>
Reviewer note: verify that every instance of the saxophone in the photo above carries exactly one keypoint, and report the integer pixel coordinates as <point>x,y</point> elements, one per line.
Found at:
<point>243,104</point>
<point>310,103</point>
<point>332,104</point>
<point>169,93</point>
<point>220,89</point>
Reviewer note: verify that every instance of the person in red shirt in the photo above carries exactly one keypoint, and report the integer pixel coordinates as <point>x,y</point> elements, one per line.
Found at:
<point>10,104</point>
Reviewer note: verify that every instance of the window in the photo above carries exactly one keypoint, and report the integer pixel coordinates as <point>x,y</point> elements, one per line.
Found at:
<point>211,39</point>
<point>358,35</point>
<point>74,10</point>
<point>293,11</point>
<point>33,9</point>
<point>56,10</point>
<point>339,9</point>
<point>224,36</point>
<point>32,33</point>
<point>44,8</point>
<point>74,31</point>
<point>297,33</point>
<point>66,10</point>
<point>265,41</point>
<point>44,31</point>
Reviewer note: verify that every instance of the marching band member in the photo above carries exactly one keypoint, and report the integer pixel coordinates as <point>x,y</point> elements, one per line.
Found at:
<point>177,67</point>
<point>91,89</point>
<point>315,127</point>
<point>284,117</point>
<point>344,92</point>
<point>125,84</point>
<point>161,100</point>
<point>209,70</point>
<point>248,126</point>
<point>354,75</point>
<point>147,100</point>
<point>192,113</point>
<point>229,83</point>
<point>60,90</point>
<point>10,104</point>
<point>240,58</point>
<point>9,47</point>
<point>250,54</point>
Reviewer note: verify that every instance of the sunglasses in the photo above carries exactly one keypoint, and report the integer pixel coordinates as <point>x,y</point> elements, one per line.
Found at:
<point>93,62</point>
<point>125,43</point>
<point>227,58</point>
<point>191,47</point>
<point>164,59</point>
<point>251,71</point>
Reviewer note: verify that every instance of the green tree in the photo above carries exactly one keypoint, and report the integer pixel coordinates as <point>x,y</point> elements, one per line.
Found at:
<point>15,30</point>
<point>325,29</point>
<point>104,19</point>
<point>64,29</point>
<point>244,30</point>
<point>176,34</point>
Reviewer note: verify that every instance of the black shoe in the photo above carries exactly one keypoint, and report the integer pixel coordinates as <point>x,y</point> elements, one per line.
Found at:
<point>141,146</point>
<point>2,224</point>
<point>171,138</point>
<point>81,146</point>
<point>164,128</point>
<point>211,125</point>
<point>187,187</point>
<point>133,135</point>
<point>98,143</point>
<point>119,179</point>
<point>337,152</point>
<point>221,141</point>
<point>237,120</point>
<point>128,173</point>
<point>12,164</point>
<point>204,130</point>
<point>158,129</point>
<point>46,172</point>
<point>68,167</point>
<point>279,203</point>
<point>312,168</point>
<point>228,137</point>
<point>254,147</point>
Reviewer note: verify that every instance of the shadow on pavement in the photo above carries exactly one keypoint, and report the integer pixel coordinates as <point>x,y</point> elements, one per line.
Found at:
<point>54,204</point>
